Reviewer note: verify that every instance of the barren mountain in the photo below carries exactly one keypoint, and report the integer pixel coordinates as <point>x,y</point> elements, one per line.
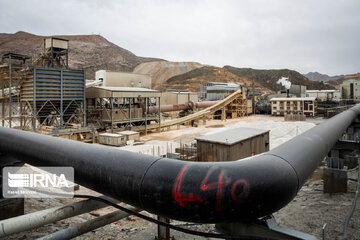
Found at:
<point>161,71</point>
<point>191,80</point>
<point>315,76</point>
<point>91,52</point>
<point>263,79</point>
<point>339,81</point>
<point>268,78</point>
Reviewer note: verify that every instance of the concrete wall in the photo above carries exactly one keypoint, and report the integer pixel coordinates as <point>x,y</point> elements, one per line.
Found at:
<point>345,89</point>
<point>298,90</point>
<point>249,108</point>
<point>325,95</point>
<point>123,79</point>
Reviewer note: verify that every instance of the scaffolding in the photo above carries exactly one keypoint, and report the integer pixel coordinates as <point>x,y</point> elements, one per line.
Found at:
<point>11,77</point>
<point>56,53</point>
<point>235,108</point>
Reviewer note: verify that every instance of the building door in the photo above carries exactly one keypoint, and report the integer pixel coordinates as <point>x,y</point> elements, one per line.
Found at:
<point>351,90</point>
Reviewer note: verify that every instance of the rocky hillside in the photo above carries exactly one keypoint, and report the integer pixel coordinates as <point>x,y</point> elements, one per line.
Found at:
<point>161,71</point>
<point>339,81</point>
<point>92,52</point>
<point>264,79</point>
<point>191,80</point>
<point>315,76</point>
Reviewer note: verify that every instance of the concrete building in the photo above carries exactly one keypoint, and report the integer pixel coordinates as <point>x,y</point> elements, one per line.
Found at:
<point>172,97</point>
<point>232,144</point>
<point>282,106</point>
<point>212,91</point>
<point>297,90</point>
<point>324,95</point>
<point>350,89</point>
<point>123,79</point>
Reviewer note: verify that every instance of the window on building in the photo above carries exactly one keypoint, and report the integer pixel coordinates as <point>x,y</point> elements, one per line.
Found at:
<point>306,106</point>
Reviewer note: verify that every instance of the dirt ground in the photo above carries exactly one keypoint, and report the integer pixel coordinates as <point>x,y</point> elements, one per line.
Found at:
<point>308,212</point>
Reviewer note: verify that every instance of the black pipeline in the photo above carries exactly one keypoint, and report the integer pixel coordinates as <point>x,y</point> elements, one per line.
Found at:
<point>191,191</point>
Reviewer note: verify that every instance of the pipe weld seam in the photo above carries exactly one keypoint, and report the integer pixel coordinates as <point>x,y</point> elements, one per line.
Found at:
<point>297,176</point>
<point>143,177</point>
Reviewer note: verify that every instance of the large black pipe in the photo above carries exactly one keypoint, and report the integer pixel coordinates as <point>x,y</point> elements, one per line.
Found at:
<point>199,192</point>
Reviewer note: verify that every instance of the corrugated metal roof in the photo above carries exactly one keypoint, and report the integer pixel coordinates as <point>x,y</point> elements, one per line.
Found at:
<point>110,134</point>
<point>220,84</point>
<point>232,136</point>
<point>294,99</point>
<point>128,132</point>
<point>321,91</point>
<point>127,89</point>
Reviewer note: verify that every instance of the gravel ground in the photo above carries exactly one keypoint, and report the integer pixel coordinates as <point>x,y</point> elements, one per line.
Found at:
<point>308,212</point>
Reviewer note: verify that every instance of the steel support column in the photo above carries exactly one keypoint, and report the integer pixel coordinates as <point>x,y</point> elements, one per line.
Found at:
<point>146,113</point>
<point>111,112</point>
<point>159,113</point>
<point>34,102</point>
<point>10,92</point>
<point>61,99</point>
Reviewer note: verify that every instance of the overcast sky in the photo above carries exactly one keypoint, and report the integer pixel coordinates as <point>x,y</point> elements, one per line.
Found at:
<point>304,35</point>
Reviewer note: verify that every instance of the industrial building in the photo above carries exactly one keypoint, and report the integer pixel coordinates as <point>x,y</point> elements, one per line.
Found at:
<point>293,91</point>
<point>46,94</point>
<point>122,107</point>
<point>212,91</point>
<point>297,90</point>
<point>350,89</point>
<point>174,97</point>
<point>123,79</point>
<point>232,144</point>
<point>324,95</point>
<point>282,106</point>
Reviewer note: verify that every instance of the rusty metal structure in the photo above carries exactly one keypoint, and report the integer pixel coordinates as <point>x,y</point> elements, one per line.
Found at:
<point>11,77</point>
<point>55,53</point>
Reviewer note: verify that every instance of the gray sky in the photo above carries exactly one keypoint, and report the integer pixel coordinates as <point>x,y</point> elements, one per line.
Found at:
<point>304,35</point>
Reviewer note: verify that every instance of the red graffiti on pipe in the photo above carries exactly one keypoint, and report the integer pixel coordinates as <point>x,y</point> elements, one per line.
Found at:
<point>180,198</point>
<point>217,185</point>
<point>239,198</point>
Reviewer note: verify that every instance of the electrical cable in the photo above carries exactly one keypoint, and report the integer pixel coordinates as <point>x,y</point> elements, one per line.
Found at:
<point>150,219</point>
<point>174,227</point>
<point>347,220</point>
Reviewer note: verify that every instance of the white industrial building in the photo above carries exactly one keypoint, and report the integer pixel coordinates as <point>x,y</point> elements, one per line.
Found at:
<point>173,97</point>
<point>282,106</point>
<point>350,89</point>
<point>213,91</point>
<point>123,79</point>
<point>324,95</point>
